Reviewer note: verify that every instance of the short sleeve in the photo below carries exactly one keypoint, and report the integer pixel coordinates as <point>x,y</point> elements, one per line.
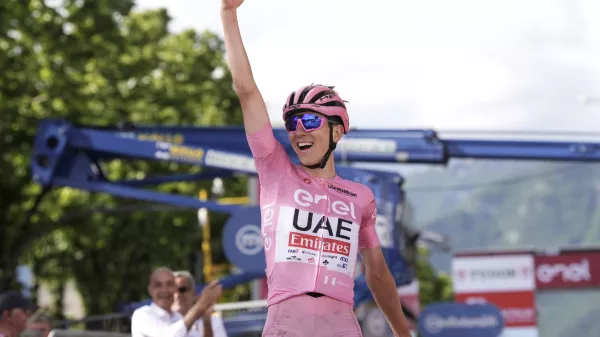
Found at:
<point>367,235</point>
<point>270,158</point>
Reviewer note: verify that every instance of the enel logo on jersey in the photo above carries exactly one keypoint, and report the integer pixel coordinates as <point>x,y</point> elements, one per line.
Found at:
<point>305,199</point>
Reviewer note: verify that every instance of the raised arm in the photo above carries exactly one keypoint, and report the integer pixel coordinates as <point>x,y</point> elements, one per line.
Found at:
<point>253,105</point>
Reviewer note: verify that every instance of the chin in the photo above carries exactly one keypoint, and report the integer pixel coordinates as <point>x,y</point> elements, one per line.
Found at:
<point>309,162</point>
<point>165,303</point>
<point>309,157</point>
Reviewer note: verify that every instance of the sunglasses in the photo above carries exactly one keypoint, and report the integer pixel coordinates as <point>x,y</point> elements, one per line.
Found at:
<point>310,122</point>
<point>183,290</point>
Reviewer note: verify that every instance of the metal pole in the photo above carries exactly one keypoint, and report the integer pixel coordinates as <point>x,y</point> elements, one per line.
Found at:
<point>204,220</point>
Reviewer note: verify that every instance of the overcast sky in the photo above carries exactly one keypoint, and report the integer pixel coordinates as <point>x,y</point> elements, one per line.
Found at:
<point>461,64</point>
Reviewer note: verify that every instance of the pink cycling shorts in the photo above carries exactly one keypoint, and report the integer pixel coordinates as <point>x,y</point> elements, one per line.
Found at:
<point>306,316</point>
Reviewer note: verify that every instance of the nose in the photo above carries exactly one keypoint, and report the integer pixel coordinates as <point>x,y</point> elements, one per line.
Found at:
<point>300,129</point>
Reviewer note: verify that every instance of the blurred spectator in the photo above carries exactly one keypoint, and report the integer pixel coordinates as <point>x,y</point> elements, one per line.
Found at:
<point>14,311</point>
<point>41,322</point>
<point>158,319</point>
<point>211,324</point>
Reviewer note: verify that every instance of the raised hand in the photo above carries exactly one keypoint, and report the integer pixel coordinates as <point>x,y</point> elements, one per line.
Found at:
<point>231,4</point>
<point>209,295</point>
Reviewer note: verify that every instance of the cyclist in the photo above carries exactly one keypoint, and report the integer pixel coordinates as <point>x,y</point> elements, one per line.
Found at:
<point>313,222</point>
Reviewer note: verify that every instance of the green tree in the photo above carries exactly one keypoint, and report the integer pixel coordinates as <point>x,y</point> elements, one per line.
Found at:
<point>434,286</point>
<point>97,62</point>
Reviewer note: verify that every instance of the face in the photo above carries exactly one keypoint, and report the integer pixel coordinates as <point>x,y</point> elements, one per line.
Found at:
<point>310,147</point>
<point>41,326</point>
<point>184,296</point>
<point>162,288</point>
<point>17,318</point>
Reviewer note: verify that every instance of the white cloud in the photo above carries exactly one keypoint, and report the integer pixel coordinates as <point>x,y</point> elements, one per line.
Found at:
<point>461,64</point>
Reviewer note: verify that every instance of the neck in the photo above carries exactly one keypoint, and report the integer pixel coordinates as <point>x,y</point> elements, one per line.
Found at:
<point>167,309</point>
<point>327,172</point>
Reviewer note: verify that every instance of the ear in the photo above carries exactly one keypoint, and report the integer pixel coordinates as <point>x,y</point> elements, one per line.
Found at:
<point>338,133</point>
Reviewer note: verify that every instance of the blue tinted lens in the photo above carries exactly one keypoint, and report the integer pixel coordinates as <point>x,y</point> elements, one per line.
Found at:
<point>291,123</point>
<point>311,121</point>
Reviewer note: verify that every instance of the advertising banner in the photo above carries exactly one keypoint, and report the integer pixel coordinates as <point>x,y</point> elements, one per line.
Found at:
<point>567,270</point>
<point>517,307</point>
<point>460,320</point>
<point>507,281</point>
<point>242,240</point>
<point>497,273</point>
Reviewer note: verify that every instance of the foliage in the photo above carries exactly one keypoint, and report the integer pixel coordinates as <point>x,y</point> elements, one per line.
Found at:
<point>97,62</point>
<point>433,286</point>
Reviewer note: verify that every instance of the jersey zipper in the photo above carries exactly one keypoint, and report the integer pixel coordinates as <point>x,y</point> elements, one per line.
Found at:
<point>325,219</point>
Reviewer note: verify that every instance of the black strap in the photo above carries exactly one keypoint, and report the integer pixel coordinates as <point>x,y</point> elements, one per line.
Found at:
<point>332,146</point>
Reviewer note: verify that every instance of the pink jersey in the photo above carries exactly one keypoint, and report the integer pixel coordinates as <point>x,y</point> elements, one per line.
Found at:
<point>303,252</point>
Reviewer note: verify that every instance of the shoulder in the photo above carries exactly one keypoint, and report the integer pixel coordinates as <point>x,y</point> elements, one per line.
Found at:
<point>363,194</point>
<point>142,312</point>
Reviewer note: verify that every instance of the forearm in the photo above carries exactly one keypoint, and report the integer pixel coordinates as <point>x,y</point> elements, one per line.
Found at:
<point>193,314</point>
<point>251,100</point>
<point>208,331</point>
<point>386,296</point>
<point>241,71</point>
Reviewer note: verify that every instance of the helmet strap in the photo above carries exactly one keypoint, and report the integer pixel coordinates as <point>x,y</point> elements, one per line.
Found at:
<point>325,159</point>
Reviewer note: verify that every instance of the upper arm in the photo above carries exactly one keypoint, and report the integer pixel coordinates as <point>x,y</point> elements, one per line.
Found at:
<point>270,158</point>
<point>368,241</point>
<point>367,235</point>
<point>373,260</point>
<point>254,110</point>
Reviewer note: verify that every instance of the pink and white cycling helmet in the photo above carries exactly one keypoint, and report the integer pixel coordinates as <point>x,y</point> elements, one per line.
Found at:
<point>317,98</point>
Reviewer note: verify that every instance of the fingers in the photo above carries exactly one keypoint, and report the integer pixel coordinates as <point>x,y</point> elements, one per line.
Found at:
<point>213,290</point>
<point>209,295</point>
<point>213,284</point>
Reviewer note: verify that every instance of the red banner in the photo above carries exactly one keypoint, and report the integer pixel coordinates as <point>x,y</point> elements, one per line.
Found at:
<point>568,270</point>
<point>517,307</point>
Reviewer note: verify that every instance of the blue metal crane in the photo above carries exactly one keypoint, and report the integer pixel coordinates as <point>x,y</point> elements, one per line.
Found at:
<point>68,155</point>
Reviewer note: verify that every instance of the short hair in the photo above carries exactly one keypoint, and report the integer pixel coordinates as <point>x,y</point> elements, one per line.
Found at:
<point>159,270</point>
<point>186,274</point>
<point>40,317</point>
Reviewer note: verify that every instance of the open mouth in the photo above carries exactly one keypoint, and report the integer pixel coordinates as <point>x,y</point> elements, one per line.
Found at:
<point>164,297</point>
<point>304,145</point>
